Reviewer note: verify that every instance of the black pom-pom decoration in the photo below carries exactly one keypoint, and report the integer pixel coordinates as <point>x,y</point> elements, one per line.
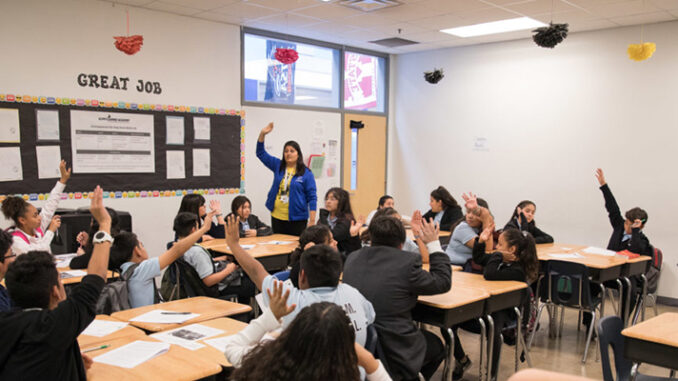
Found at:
<point>550,36</point>
<point>434,76</point>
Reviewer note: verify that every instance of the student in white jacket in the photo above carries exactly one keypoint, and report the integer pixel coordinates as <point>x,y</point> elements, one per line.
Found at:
<point>33,230</point>
<point>319,344</point>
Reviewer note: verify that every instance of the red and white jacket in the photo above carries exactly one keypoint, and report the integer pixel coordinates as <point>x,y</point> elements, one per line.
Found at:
<point>25,242</point>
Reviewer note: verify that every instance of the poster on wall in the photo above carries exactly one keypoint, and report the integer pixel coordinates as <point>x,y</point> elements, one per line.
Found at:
<point>360,81</point>
<point>280,77</point>
<point>112,142</point>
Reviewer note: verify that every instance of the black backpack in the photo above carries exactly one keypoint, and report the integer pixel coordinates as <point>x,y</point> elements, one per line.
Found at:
<point>181,281</point>
<point>115,295</point>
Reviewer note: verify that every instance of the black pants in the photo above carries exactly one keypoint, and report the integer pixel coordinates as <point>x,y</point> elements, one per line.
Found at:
<point>501,319</point>
<point>288,227</point>
<point>435,354</point>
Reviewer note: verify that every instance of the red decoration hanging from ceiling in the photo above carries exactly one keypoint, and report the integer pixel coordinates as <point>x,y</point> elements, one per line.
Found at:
<point>286,56</point>
<point>129,44</point>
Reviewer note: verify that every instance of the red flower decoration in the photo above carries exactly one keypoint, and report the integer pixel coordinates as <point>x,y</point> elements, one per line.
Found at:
<point>129,45</point>
<point>286,56</point>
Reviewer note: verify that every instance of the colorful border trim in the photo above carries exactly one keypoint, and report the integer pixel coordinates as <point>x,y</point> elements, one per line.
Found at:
<point>12,98</point>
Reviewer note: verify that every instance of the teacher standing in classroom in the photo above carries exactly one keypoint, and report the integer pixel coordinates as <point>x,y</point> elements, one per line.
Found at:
<point>292,199</point>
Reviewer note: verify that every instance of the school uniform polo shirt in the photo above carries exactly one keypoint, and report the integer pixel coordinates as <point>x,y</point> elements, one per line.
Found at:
<point>140,284</point>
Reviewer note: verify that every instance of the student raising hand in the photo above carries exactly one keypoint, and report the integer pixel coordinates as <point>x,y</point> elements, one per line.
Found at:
<point>471,201</point>
<point>356,225</point>
<point>65,173</point>
<point>486,234</point>
<point>600,176</point>
<point>429,231</point>
<point>278,300</point>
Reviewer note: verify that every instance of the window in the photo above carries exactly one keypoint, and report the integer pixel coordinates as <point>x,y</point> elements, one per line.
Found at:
<point>313,80</point>
<point>364,81</point>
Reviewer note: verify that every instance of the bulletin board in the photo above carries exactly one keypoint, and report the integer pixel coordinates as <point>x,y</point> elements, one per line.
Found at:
<point>224,140</point>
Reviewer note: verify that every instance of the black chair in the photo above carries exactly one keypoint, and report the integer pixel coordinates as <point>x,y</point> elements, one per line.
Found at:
<point>609,334</point>
<point>374,347</point>
<point>567,284</point>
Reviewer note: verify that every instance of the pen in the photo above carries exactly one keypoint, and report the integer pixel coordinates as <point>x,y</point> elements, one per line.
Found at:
<point>95,348</point>
<point>174,313</point>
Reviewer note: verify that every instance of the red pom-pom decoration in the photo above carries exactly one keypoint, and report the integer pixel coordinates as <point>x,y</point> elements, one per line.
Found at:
<point>129,45</point>
<point>286,56</point>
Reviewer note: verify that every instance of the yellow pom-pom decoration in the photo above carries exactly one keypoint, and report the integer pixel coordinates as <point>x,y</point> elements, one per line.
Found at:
<point>641,52</point>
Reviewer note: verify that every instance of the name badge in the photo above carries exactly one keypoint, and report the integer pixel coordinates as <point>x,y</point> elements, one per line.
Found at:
<point>284,199</point>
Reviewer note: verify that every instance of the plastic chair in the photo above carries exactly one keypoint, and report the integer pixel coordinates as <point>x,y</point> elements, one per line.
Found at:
<point>609,334</point>
<point>282,275</point>
<point>567,284</point>
<point>374,347</point>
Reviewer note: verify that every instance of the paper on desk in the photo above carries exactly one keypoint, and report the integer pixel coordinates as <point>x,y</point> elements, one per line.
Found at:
<point>135,353</point>
<point>72,274</point>
<point>247,247</point>
<point>101,328</point>
<point>566,255</point>
<point>219,343</point>
<point>188,336</point>
<point>157,316</point>
<point>599,251</point>
<point>277,243</point>
<point>64,260</point>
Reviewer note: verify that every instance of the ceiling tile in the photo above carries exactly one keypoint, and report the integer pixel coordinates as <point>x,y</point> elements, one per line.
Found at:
<point>428,37</point>
<point>368,20</point>
<point>584,25</point>
<point>220,17</point>
<point>645,18</point>
<point>246,10</point>
<point>172,8</point>
<point>289,20</point>
<point>440,22</point>
<point>665,4</point>
<point>330,12</point>
<point>134,2</point>
<point>330,28</point>
<point>286,5</point>
<point>620,9</point>
<point>204,5</point>
<point>399,28</point>
<point>528,8</point>
<point>486,15</point>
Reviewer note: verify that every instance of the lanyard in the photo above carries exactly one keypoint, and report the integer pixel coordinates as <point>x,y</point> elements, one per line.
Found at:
<point>285,186</point>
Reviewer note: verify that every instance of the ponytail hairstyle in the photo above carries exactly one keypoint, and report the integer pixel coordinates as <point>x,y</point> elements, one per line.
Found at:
<point>521,205</point>
<point>526,251</point>
<point>442,194</point>
<point>14,207</point>
<point>344,202</point>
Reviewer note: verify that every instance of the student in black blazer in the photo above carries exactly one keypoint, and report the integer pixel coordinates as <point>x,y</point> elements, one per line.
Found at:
<point>523,220</point>
<point>250,225</point>
<point>444,209</point>
<point>392,279</point>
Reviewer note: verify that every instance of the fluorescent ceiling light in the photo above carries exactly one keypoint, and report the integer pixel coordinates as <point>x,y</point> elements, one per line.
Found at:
<point>494,27</point>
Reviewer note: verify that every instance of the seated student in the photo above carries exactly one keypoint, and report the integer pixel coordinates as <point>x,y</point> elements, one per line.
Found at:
<point>393,279</point>
<point>515,259</point>
<point>627,234</point>
<point>224,275</point>
<point>6,257</point>
<point>523,220</point>
<point>444,209</point>
<point>33,231</point>
<point>85,241</point>
<point>250,225</point>
<point>195,203</point>
<point>39,337</point>
<point>478,217</point>
<point>413,246</point>
<point>318,345</point>
<point>318,282</point>
<point>338,215</point>
<point>128,253</point>
<point>312,235</point>
<point>387,201</point>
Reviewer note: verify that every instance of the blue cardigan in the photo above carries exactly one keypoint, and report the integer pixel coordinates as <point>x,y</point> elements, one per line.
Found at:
<point>302,188</point>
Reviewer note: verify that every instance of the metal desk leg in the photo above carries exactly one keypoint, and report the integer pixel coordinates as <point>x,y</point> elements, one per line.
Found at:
<point>483,336</point>
<point>519,323</point>
<point>627,305</point>
<point>490,345</point>
<point>562,321</point>
<point>634,371</point>
<point>619,302</point>
<point>448,335</point>
<point>534,331</point>
<point>590,334</point>
<point>644,296</point>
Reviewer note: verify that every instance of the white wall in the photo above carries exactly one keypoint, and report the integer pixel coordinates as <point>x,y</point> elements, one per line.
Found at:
<point>46,44</point>
<point>550,118</point>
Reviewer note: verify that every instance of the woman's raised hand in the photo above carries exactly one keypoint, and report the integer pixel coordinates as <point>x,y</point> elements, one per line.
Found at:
<point>267,130</point>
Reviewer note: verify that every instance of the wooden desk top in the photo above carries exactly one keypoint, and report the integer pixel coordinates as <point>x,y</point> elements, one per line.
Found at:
<point>426,267</point>
<point>492,287</point>
<point>590,260</point>
<point>77,279</point>
<point>659,329</point>
<point>208,308</point>
<point>544,375</point>
<point>261,249</point>
<point>456,297</point>
<point>176,364</point>
<point>231,327</point>
<point>86,341</point>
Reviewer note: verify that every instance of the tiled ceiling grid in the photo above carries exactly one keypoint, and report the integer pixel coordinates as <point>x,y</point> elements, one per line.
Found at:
<point>417,20</point>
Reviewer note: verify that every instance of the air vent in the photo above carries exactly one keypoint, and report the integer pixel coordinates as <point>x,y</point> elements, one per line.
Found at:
<point>394,42</point>
<point>369,5</point>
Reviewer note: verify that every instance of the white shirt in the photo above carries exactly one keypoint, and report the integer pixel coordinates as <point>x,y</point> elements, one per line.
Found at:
<point>40,241</point>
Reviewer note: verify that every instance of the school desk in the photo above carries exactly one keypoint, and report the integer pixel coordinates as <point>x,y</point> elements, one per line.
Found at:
<point>445,310</point>
<point>230,327</point>
<point>176,364</point>
<point>426,267</point>
<point>544,375</point>
<point>77,279</point>
<point>208,308</point>
<point>273,257</point>
<point>654,341</point>
<point>87,341</point>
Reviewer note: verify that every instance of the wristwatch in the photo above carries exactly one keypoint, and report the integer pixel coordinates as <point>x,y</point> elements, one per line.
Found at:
<point>101,237</point>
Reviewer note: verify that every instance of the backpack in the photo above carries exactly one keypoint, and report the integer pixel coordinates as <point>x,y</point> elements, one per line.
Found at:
<point>182,281</point>
<point>652,273</point>
<point>115,296</point>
